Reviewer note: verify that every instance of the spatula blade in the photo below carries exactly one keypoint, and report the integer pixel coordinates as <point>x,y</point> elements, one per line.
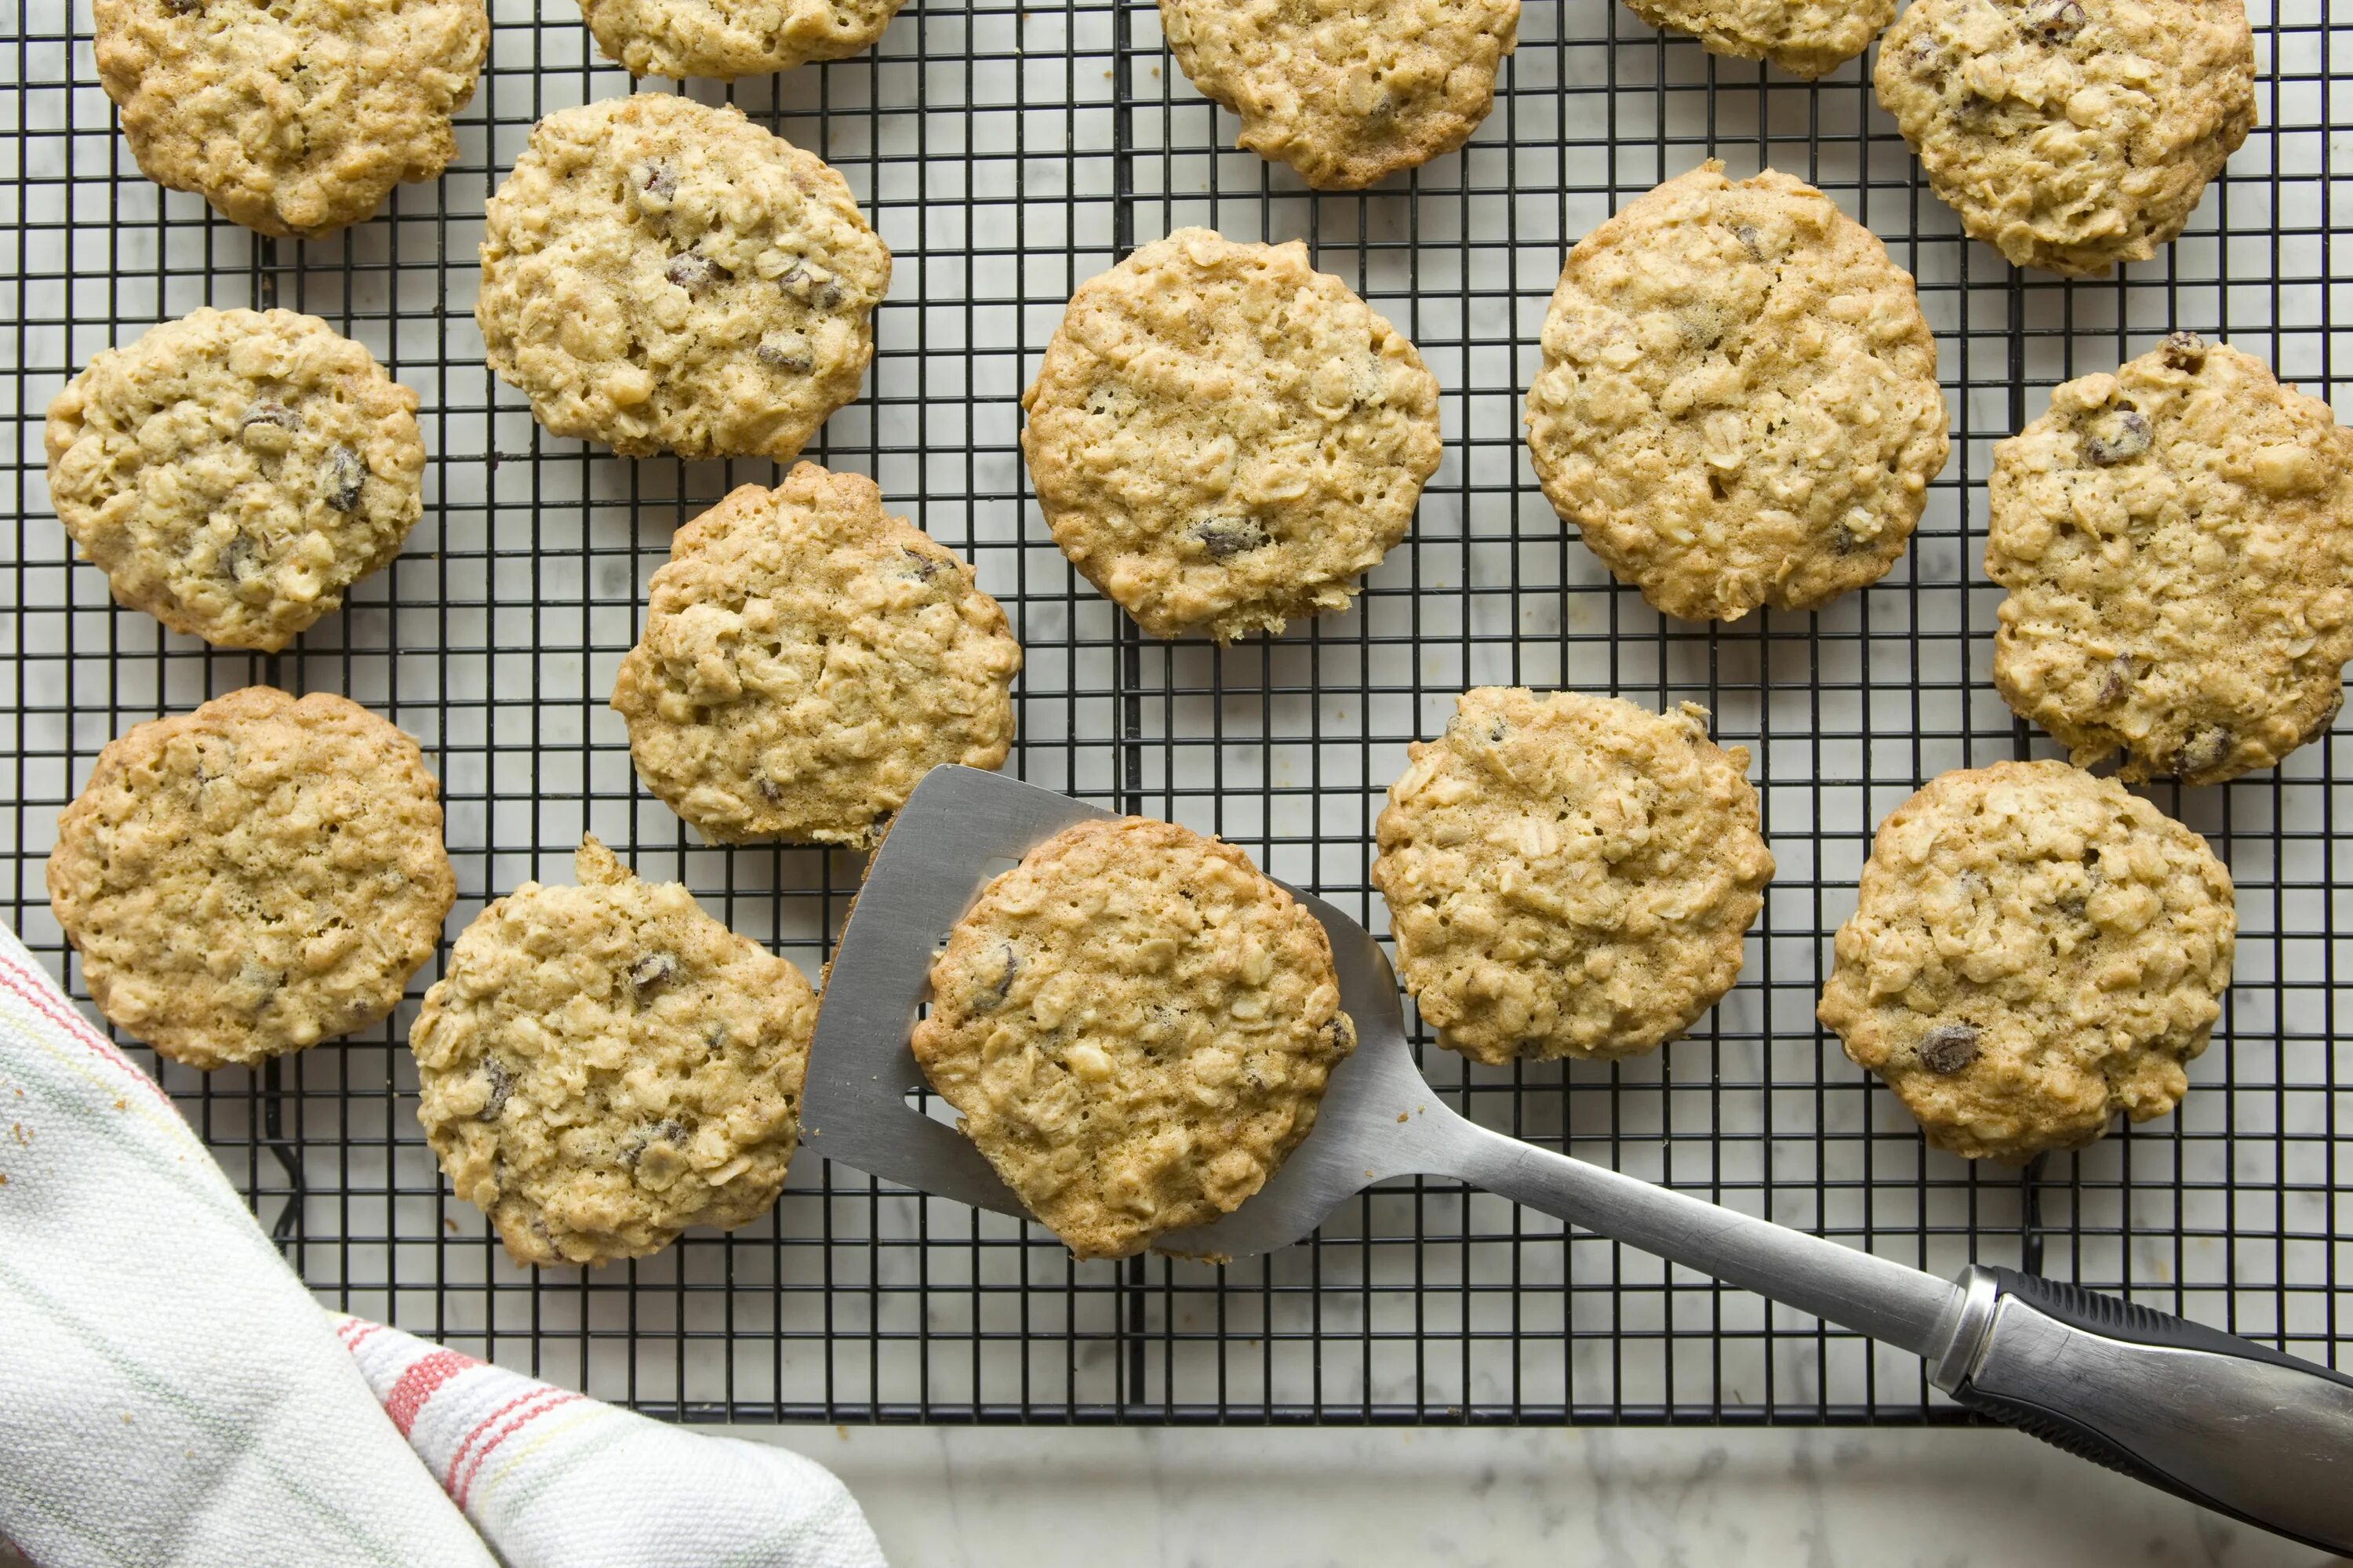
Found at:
<point>959,829</point>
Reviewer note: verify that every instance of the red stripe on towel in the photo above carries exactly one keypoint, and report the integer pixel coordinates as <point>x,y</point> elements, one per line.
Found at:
<point>44,1001</point>
<point>418,1385</point>
<point>457,1455</point>
<point>457,1492</point>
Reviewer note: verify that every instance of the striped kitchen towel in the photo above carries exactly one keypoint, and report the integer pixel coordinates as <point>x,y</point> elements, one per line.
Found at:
<point>170,1393</point>
<point>556,1480</point>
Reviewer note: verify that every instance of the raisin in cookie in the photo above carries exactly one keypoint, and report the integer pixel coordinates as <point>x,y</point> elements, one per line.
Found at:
<point>1345,93</point>
<point>292,117</point>
<point>806,659</point>
<point>728,39</point>
<point>660,275</point>
<point>252,877</point>
<point>1136,1027</point>
<point>234,471</point>
<point>1568,875</point>
<point>1738,403</point>
<point>2033,950</point>
<point>2070,135</point>
<point>1805,38</point>
<point>603,1066</point>
<point>1223,438</point>
<point>2177,539</point>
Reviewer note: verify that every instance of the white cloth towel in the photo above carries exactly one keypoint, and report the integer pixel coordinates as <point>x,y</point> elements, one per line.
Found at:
<point>170,1393</point>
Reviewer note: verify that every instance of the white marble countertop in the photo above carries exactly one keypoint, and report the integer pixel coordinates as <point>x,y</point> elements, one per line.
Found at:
<point>999,1497</point>
<point>1151,1497</point>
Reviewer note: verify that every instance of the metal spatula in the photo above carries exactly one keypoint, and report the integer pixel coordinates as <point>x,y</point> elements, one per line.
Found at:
<point>2219,1420</point>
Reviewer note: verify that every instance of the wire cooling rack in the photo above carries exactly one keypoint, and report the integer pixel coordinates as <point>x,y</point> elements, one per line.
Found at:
<point>1006,154</point>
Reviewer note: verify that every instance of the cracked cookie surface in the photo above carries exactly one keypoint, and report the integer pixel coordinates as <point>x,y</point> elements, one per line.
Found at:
<point>292,117</point>
<point>602,1066</point>
<point>1345,92</point>
<point>252,877</point>
<point>662,276</point>
<point>1224,438</point>
<point>1568,875</point>
<point>806,659</point>
<point>232,473</point>
<point>2176,540</point>
<point>1738,404</point>
<point>1805,38</point>
<point>2070,135</point>
<point>1138,1027</point>
<point>2032,951</point>
<point>728,39</point>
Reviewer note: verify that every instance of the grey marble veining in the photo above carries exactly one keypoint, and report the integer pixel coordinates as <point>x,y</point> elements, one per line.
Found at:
<point>1153,1497</point>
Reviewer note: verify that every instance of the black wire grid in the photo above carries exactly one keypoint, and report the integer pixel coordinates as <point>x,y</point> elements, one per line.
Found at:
<point>1006,154</point>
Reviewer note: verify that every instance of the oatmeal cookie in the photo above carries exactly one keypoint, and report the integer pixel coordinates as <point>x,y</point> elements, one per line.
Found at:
<point>2032,951</point>
<point>1805,38</point>
<point>658,275</point>
<point>1136,1027</point>
<point>728,39</point>
<point>1570,876</point>
<point>2070,135</point>
<point>603,1066</point>
<point>1345,91</point>
<point>252,877</point>
<point>1738,403</point>
<point>806,659</point>
<point>2177,539</point>
<point>234,471</point>
<point>1223,438</point>
<point>293,117</point>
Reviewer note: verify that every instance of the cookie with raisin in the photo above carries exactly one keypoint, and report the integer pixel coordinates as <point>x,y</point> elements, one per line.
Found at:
<point>1738,406</point>
<point>601,1067</point>
<point>1224,439</point>
<point>295,118</point>
<point>806,659</point>
<point>1805,38</point>
<point>1570,876</point>
<point>253,878</point>
<point>662,276</point>
<point>2176,538</point>
<point>1138,1027</point>
<point>728,39</point>
<point>232,473</point>
<point>2032,951</point>
<point>2070,135</point>
<point>1346,94</point>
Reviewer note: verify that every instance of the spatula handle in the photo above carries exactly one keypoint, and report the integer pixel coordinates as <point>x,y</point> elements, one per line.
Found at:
<point>1843,1284</point>
<point>2244,1430</point>
<point>2220,1420</point>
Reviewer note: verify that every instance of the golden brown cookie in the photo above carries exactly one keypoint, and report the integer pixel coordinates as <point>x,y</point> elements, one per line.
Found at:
<point>662,276</point>
<point>1804,37</point>
<point>2032,951</point>
<point>728,39</point>
<point>1570,876</point>
<point>2070,135</point>
<point>806,659</point>
<point>234,471</point>
<point>1345,93</point>
<point>1137,1026</point>
<point>2177,539</point>
<point>293,117</point>
<point>1738,403</point>
<point>602,1066</point>
<point>252,877</point>
<point>1224,438</point>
